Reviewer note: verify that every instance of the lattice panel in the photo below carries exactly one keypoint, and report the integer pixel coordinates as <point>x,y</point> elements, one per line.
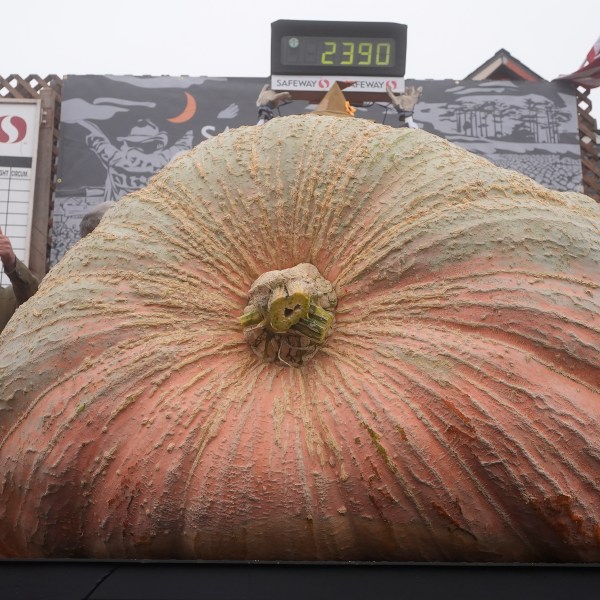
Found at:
<point>590,163</point>
<point>15,86</point>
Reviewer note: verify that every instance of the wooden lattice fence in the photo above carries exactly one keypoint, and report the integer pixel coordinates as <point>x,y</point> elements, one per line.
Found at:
<point>49,91</point>
<point>15,86</point>
<point>590,162</point>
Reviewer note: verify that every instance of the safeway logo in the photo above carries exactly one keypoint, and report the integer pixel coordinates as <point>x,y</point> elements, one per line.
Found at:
<point>324,83</point>
<point>12,129</point>
<point>391,85</point>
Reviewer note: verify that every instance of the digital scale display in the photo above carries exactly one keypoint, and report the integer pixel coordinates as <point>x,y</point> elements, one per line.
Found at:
<point>338,52</point>
<point>338,48</point>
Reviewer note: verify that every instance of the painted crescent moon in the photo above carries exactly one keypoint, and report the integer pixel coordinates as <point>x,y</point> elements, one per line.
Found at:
<point>188,112</point>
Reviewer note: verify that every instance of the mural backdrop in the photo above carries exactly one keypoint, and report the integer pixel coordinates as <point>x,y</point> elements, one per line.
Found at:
<point>117,131</point>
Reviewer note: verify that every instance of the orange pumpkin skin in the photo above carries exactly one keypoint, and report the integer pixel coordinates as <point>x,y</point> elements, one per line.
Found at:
<point>453,413</point>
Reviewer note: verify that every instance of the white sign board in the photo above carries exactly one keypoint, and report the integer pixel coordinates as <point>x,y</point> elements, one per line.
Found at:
<point>19,128</point>
<point>317,83</point>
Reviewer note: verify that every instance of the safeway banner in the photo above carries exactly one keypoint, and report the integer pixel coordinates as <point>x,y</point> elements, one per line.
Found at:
<point>302,83</point>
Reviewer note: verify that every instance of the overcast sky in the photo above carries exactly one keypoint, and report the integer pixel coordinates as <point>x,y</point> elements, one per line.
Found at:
<point>229,38</point>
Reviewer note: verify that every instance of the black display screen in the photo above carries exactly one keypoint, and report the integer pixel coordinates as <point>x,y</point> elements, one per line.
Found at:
<point>338,48</point>
<point>338,52</point>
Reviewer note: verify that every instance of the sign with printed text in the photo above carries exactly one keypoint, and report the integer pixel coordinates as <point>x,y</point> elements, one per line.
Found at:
<point>298,83</point>
<point>19,128</point>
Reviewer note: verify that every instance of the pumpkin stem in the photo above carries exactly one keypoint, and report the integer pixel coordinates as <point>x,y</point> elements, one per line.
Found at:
<point>289,314</point>
<point>251,318</point>
<point>316,324</point>
<point>287,305</point>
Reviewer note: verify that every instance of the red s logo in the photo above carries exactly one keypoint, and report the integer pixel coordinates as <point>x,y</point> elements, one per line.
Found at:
<point>323,83</point>
<point>12,130</point>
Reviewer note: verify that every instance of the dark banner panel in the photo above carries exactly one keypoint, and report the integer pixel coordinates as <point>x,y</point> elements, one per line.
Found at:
<point>528,127</point>
<point>117,131</point>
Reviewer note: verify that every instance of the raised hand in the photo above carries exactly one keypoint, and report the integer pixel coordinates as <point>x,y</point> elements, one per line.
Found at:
<point>7,254</point>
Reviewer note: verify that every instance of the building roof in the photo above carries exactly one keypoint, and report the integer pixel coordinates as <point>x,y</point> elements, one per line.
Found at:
<point>504,66</point>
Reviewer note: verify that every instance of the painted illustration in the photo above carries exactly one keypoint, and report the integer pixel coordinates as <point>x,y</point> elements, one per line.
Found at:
<point>529,127</point>
<point>117,132</point>
<point>141,153</point>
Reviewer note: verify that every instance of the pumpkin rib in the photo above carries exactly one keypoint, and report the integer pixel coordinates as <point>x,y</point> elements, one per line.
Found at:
<point>531,431</point>
<point>534,351</point>
<point>449,448</point>
<point>363,423</point>
<point>419,416</point>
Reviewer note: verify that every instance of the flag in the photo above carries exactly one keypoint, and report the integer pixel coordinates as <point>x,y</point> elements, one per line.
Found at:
<point>593,54</point>
<point>588,75</point>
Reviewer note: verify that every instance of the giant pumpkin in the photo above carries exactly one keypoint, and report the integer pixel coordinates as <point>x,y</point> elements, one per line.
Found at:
<point>319,339</point>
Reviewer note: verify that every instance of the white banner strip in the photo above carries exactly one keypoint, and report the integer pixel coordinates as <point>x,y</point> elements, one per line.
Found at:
<point>297,83</point>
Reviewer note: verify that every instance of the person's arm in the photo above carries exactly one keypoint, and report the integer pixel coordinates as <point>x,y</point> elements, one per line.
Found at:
<point>268,101</point>
<point>24,283</point>
<point>404,104</point>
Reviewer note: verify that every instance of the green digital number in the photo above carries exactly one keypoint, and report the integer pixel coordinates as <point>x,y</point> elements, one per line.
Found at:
<point>348,53</point>
<point>382,54</point>
<point>365,50</point>
<point>327,55</point>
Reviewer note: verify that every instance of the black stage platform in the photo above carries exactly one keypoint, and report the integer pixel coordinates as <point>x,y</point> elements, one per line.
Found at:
<point>160,580</point>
